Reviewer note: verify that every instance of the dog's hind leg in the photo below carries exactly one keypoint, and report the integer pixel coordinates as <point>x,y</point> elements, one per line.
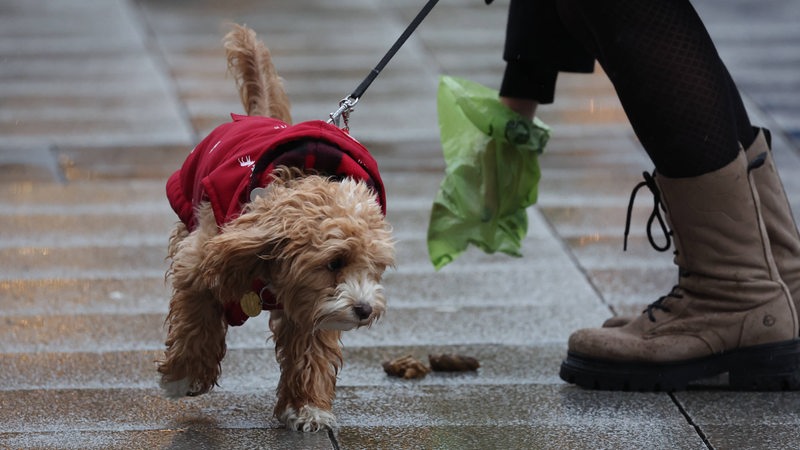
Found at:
<point>195,345</point>
<point>196,327</point>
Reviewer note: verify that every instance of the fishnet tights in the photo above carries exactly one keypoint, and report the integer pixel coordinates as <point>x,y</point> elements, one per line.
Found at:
<point>675,90</point>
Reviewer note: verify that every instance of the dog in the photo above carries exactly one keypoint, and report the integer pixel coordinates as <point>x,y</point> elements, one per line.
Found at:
<point>289,218</point>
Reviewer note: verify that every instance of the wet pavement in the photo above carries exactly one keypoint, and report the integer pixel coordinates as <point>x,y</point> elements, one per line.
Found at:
<point>101,100</point>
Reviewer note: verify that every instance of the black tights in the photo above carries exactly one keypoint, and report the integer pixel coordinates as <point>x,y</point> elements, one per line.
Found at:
<point>674,88</point>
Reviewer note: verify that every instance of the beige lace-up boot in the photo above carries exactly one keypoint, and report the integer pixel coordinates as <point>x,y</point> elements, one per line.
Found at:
<point>730,311</point>
<point>784,240</point>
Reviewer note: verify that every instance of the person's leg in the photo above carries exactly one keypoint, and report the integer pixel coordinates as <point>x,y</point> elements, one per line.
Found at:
<point>669,78</point>
<point>682,102</point>
<point>730,311</point>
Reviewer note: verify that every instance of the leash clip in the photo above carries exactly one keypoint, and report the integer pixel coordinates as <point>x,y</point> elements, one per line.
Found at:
<point>346,106</point>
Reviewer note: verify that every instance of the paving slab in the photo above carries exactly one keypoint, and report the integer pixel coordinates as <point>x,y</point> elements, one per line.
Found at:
<point>731,420</point>
<point>539,416</point>
<point>72,79</point>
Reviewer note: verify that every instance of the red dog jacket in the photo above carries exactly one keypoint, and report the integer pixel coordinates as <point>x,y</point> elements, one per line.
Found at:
<point>238,156</point>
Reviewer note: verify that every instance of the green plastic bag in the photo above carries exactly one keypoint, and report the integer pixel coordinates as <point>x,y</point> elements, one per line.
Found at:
<point>492,173</point>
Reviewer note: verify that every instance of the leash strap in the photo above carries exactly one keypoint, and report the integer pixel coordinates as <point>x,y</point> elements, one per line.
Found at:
<point>346,105</point>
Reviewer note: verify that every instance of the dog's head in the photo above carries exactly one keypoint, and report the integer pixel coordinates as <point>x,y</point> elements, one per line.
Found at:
<point>321,245</point>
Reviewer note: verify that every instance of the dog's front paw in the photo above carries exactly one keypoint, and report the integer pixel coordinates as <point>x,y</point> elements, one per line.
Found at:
<point>309,419</point>
<point>175,389</point>
<point>181,388</point>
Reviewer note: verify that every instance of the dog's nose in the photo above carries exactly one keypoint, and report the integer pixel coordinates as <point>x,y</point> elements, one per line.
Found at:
<point>362,310</point>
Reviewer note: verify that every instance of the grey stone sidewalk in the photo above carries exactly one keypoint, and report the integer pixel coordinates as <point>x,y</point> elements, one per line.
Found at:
<point>100,100</point>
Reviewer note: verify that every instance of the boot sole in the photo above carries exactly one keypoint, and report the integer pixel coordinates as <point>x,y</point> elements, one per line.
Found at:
<point>769,367</point>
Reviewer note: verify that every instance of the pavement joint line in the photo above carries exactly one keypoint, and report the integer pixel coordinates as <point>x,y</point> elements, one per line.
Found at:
<point>691,421</point>
<point>154,51</point>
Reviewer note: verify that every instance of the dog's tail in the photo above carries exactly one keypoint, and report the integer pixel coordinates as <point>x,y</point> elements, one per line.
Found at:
<point>260,87</point>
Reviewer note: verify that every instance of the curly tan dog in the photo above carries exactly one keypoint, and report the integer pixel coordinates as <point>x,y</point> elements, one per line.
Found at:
<point>274,216</point>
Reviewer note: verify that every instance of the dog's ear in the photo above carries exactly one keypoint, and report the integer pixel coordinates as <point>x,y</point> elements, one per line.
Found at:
<point>241,253</point>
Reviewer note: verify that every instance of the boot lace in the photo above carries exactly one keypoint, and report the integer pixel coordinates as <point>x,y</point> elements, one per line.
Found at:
<point>650,183</point>
<point>655,215</point>
<point>659,304</point>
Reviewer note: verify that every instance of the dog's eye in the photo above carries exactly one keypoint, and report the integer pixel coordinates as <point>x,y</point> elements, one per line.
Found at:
<point>335,265</point>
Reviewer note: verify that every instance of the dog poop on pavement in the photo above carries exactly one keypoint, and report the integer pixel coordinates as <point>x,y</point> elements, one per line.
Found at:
<point>452,362</point>
<point>408,367</point>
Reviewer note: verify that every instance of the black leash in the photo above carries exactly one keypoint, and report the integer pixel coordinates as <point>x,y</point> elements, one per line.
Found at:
<point>346,105</point>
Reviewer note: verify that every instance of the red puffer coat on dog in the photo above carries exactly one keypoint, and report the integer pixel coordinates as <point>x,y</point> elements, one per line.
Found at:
<point>240,155</point>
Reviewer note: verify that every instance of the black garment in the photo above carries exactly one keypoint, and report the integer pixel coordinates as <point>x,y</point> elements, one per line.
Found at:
<point>676,91</point>
<point>538,46</point>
